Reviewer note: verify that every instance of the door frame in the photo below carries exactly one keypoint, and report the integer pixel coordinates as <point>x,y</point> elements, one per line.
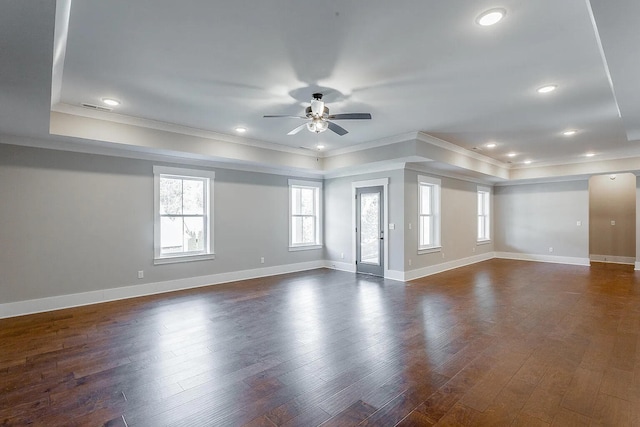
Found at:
<point>384,183</point>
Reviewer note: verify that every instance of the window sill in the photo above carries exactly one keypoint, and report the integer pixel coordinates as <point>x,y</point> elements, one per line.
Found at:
<point>429,250</point>
<point>483,242</point>
<point>183,258</point>
<point>304,248</point>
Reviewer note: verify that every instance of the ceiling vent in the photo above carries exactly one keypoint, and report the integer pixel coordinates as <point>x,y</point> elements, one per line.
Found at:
<point>96,107</point>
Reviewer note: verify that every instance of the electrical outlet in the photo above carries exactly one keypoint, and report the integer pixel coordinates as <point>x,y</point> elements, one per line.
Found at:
<point>613,222</point>
<point>442,254</point>
<point>550,249</point>
<point>342,255</point>
<point>140,274</point>
<point>473,249</point>
<point>409,261</point>
<point>261,260</point>
<point>409,226</point>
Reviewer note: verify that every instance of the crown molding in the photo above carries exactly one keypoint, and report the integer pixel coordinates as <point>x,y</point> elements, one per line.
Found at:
<point>179,129</point>
<point>404,137</point>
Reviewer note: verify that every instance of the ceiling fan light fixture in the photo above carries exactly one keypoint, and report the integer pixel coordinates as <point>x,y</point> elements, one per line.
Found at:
<point>491,17</point>
<point>321,126</point>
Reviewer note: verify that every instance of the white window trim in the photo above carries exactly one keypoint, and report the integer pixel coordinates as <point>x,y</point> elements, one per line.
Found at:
<point>320,220</point>
<point>437,191</point>
<point>209,253</point>
<point>484,241</point>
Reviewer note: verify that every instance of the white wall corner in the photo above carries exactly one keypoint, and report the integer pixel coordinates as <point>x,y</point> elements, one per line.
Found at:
<point>637,265</point>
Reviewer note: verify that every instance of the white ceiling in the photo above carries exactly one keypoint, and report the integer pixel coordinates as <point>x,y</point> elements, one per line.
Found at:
<point>202,67</point>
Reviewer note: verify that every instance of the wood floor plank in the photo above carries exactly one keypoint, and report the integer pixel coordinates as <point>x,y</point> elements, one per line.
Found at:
<point>498,342</point>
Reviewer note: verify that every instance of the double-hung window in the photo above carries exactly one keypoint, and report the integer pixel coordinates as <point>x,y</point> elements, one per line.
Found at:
<point>305,215</point>
<point>183,225</point>
<point>484,218</point>
<point>428,214</point>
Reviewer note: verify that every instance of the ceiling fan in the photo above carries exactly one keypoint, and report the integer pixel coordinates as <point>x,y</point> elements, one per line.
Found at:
<point>317,116</point>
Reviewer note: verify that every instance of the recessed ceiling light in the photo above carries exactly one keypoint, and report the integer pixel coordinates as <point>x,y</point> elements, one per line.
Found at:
<point>547,89</point>
<point>319,146</point>
<point>527,162</point>
<point>240,129</point>
<point>511,155</point>
<point>590,154</point>
<point>491,17</point>
<point>491,145</point>
<point>110,101</point>
<point>570,132</point>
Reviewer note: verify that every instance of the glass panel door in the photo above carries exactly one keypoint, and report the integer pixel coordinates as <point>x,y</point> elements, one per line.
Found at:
<point>369,231</point>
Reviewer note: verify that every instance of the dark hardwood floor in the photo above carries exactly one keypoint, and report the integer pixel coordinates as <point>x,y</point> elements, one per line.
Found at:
<point>496,343</point>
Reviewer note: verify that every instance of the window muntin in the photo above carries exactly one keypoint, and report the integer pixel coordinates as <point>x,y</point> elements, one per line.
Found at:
<point>428,213</point>
<point>305,220</point>
<point>484,218</point>
<point>182,214</point>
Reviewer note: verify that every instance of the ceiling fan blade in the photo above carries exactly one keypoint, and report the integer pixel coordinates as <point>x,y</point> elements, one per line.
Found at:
<point>286,116</point>
<point>298,129</point>
<point>350,116</point>
<point>337,129</point>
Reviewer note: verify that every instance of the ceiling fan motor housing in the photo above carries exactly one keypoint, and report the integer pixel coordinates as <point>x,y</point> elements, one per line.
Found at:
<point>309,112</point>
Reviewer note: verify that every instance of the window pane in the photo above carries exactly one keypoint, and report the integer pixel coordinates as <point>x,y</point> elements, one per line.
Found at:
<point>425,199</point>
<point>295,201</point>
<point>170,196</point>
<point>370,228</point>
<point>425,231</point>
<point>481,231</point>
<point>194,234</point>
<point>193,197</point>
<point>307,201</point>
<point>303,230</point>
<point>480,204</point>
<point>171,233</point>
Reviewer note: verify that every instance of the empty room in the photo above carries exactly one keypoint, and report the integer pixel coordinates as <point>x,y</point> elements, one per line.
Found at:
<point>319,213</point>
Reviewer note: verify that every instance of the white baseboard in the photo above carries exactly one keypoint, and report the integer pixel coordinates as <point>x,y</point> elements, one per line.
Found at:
<point>342,266</point>
<point>544,258</point>
<point>394,275</point>
<point>450,265</point>
<point>637,266</point>
<point>613,259</point>
<point>20,308</point>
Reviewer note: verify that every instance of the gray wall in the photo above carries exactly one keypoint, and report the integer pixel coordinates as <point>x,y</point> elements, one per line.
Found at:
<point>458,222</point>
<point>73,223</point>
<point>338,217</point>
<point>531,218</point>
<point>612,200</point>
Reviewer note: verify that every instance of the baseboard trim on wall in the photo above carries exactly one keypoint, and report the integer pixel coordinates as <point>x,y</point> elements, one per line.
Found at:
<point>40,305</point>
<point>544,258</point>
<point>637,266</point>
<point>450,265</point>
<point>342,266</point>
<point>613,259</point>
